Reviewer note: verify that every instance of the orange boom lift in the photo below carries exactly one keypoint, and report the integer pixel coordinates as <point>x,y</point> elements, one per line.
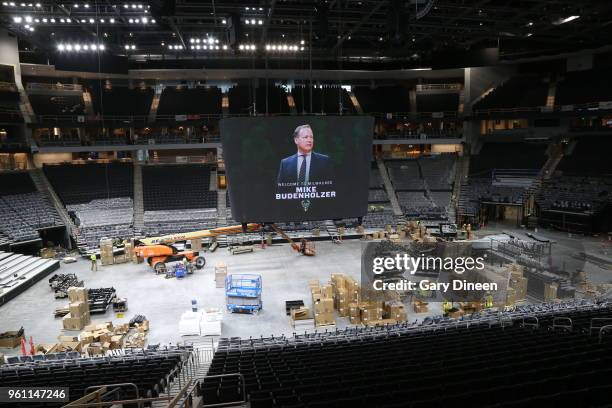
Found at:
<point>158,251</point>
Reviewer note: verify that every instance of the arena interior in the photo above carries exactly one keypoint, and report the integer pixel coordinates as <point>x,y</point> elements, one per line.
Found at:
<point>235,203</point>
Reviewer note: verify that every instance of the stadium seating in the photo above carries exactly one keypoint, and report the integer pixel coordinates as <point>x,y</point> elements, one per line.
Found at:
<point>481,189</point>
<point>82,183</point>
<point>102,218</point>
<point>123,101</point>
<point>517,92</point>
<point>438,171</point>
<point>405,174</point>
<point>277,100</point>
<point>149,370</point>
<point>575,193</point>
<point>60,105</point>
<point>377,196</point>
<point>301,96</point>
<point>485,364</point>
<point>446,102</point>
<point>175,187</point>
<point>23,210</point>
<point>183,220</point>
<point>186,101</point>
<point>589,157</point>
<point>241,100</point>
<point>383,99</point>
<point>584,87</point>
<point>379,217</point>
<point>511,155</point>
<point>324,100</point>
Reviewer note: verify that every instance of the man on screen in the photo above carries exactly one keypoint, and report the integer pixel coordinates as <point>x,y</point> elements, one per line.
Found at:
<point>306,165</point>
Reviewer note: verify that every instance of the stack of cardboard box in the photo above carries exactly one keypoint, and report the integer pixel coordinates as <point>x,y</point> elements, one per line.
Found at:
<point>419,306</point>
<point>322,304</point>
<point>220,274</point>
<point>371,312</point>
<point>517,286</point>
<point>96,339</point>
<point>394,309</point>
<point>354,313</point>
<point>346,291</point>
<point>79,315</point>
<point>550,291</point>
<point>106,251</point>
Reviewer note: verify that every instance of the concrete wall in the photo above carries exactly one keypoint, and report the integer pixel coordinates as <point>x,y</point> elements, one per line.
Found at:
<point>9,53</point>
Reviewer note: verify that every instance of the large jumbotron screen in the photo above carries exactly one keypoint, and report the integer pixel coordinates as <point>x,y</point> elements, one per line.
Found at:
<point>290,169</point>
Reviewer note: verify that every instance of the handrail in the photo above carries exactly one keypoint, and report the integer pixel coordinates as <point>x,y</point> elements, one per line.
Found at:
<point>535,325</point>
<point>178,117</point>
<point>53,87</point>
<point>563,326</point>
<point>8,86</point>
<point>179,395</point>
<point>546,109</point>
<point>604,329</point>
<point>111,403</point>
<point>598,319</point>
<point>116,385</point>
<point>435,87</point>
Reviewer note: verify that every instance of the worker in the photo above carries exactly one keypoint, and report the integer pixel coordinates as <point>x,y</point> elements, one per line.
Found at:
<point>185,263</point>
<point>94,262</point>
<point>446,306</point>
<point>488,300</point>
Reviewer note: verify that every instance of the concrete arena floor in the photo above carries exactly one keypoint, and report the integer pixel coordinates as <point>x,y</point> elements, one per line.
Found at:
<point>285,277</point>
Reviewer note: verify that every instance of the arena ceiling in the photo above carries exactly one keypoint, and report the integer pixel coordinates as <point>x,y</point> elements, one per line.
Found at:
<point>335,30</point>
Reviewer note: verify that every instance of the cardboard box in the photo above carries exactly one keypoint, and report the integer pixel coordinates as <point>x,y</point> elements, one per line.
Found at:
<point>327,291</point>
<point>323,306</point>
<point>76,294</point>
<point>119,259</point>
<point>381,322</point>
<point>419,306</point>
<point>322,319</point>
<point>338,281</point>
<point>355,319</point>
<point>301,313</point>
<point>75,322</point>
<point>67,339</point>
<point>78,308</point>
<point>10,339</point>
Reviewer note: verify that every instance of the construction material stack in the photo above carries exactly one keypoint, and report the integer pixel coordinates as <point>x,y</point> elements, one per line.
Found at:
<point>517,286</point>
<point>220,274</point>
<point>106,251</point>
<point>79,315</point>
<point>346,291</point>
<point>322,304</point>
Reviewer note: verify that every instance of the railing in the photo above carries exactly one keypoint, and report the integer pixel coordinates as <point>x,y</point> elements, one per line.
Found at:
<point>184,160</point>
<point>36,86</point>
<point>8,86</point>
<point>546,109</point>
<point>179,118</point>
<point>438,87</point>
<point>433,134</point>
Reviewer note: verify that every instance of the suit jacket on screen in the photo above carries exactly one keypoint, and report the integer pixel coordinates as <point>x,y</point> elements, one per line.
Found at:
<point>320,168</point>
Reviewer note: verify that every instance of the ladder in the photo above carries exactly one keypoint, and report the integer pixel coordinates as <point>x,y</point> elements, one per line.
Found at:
<point>332,230</point>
